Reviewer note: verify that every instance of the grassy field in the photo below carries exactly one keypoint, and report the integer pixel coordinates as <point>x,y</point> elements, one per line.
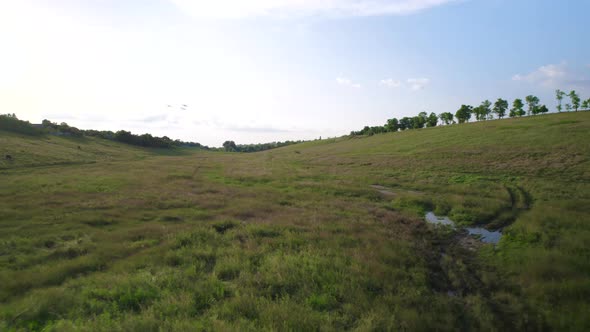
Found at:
<point>100,236</point>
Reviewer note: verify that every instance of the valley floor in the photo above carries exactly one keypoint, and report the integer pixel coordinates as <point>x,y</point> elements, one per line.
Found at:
<point>325,235</point>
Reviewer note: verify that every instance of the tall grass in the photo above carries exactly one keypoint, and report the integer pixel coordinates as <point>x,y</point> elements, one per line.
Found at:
<point>114,238</point>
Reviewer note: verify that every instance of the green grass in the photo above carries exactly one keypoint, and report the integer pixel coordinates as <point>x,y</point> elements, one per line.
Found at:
<point>110,237</point>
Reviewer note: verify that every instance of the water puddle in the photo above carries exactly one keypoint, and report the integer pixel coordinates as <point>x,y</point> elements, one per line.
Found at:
<point>483,234</point>
<point>434,219</point>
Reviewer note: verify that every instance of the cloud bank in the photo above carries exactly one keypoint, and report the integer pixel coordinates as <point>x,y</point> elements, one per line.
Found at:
<point>547,75</point>
<point>554,76</point>
<point>232,9</point>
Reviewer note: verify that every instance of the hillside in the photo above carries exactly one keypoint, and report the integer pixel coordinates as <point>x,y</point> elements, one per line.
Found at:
<point>324,235</point>
<point>48,150</point>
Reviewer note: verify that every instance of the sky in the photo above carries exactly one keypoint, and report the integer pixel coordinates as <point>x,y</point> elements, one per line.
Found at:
<point>273,70</point>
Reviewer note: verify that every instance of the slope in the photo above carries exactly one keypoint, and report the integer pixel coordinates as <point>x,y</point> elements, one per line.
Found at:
<point>300,238</point>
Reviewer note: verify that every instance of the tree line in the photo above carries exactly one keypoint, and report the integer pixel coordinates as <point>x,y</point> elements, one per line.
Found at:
<point>10,122</point>
<point>231,146</point>
<point>485,111</point>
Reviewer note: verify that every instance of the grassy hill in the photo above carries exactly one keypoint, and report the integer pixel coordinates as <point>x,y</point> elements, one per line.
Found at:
<point>323,235</point>
<point>48,150</point>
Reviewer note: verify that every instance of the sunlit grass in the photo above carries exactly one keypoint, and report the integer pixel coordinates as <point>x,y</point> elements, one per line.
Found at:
<point>111,237</point>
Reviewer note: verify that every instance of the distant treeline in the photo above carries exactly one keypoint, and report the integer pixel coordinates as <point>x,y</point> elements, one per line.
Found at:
<point>231,146</point>
<point>10,122</point>
<point>485,111</point>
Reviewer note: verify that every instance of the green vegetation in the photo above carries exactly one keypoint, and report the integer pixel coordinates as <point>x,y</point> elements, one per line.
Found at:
<point>575,100</point>
<point>9,122</point>
<point>482,112</point>
<point>97,235</point>
<point>500,107</point>
<point>231,146</point>
<point>517,108</point>
<point>559,97</point>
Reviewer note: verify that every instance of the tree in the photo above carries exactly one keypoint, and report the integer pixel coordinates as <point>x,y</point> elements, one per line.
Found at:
<point>568,107</point>
<point>392,124</point>
<point>378,130</point>
<point>575,100</point>
<point>464,113</point>
<point>486,111</point>
<point>542,109</point>
<point>477,111</point>
<point>405,123</point>
<point>230,146</point>
<point>532,102</point>
<point>432,120</point>
<point>517,108</point>
<point>446,118</point>
<point>482,111</point>
<point>559,96</point>
<point>500,107</point>
<point>124,136</point>
<point>586,104</point>
<point>10,122</point>
<point>419,120</point>
<point>46,123</point>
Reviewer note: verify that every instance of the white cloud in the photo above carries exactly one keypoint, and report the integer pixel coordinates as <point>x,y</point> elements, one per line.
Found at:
<point>549,75</point>
<point>347,82</point>
<point>418,83</point>
<point>297,8</point>
<point>390,83</point>
<point>554,76</point>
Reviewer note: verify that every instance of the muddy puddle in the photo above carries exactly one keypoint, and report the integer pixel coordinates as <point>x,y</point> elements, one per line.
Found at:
<point>481,233</point>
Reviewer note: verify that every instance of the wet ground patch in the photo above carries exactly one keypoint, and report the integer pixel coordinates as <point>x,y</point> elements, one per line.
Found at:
<point>481,233</point>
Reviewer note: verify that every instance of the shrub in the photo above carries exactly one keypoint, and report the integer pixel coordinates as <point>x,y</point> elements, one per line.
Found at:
<point>9,122</point>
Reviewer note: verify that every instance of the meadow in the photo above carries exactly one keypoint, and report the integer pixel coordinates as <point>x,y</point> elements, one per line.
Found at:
<point>327,235</point>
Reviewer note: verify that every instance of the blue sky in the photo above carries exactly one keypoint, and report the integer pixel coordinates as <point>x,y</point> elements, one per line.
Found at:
<point>267,70</point>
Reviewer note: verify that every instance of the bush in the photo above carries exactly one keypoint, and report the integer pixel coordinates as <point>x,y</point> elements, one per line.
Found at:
<point>9,122</point>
